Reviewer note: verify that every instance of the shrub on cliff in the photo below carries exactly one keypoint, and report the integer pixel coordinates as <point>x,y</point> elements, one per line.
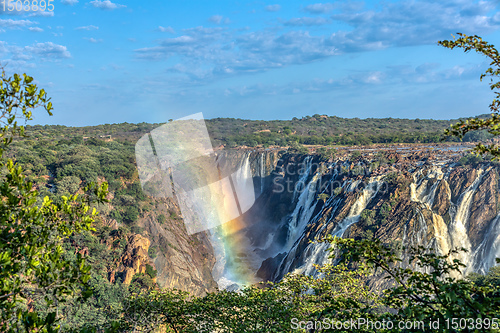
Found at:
<point>470,159</point>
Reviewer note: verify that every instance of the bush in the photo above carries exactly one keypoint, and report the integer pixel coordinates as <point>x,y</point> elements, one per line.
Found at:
<point>136,229</point>
<point>470,159</point>
<point>162,219</point>
<point>151,271</point>
<point>355,155</point>
<point>152,251</point>
<point>68,185</point>
<point>141,282</point>
<point>323,197</point>
<point>131,214</point>
<point>368,217</point>
<point>385,210</point>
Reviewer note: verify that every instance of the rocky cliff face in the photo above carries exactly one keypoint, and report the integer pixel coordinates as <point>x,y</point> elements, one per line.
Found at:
<point>420,198</point>
<point>135,258</point>
<point>182,261</point>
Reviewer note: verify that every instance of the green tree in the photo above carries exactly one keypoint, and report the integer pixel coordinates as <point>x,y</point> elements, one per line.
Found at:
<point>32,266</point>
<point>490,124</point>
<point>424,289</point>
<point>264,308</point>
<point>68,185</point>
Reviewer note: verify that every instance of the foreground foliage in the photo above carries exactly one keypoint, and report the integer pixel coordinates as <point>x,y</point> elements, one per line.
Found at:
<point>424,289</point>
<point>338,299</point>
<point>490,124</point>
<point>32,266</point>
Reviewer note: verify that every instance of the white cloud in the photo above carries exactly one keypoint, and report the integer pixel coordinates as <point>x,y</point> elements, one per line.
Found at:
<point>218,19</point>
<point>215,19</point>
<point>374,77</point>
<point>106,4</point>
<point>16,58</point>
<point>35,29</point>
<point>69,2</point>
<point>42,13</point>
<point>392,75</point>
<point>93,40</point>
<point>209,53</point>
<point>10,23</point>
<point>216,52</point>
<point>48,50</point>
<point>3,47</point>
<point>272,8</point>
<point>166,29</point>
<point>412,23</point>
<point>319,8</point>
<point>307,21</point>
<point>88,27</point>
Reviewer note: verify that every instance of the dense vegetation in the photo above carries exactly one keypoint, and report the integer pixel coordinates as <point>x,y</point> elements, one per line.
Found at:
<point>339,300</point>
<point>58,166</point>
<point>310,130</point>
<point>33,268</point>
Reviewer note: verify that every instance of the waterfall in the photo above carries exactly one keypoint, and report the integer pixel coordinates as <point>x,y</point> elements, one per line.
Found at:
<point>441,234</point>
<point>303,211</point>
<point>307,165</point>
<point>458,231</point>
<point>243,184</point>
<point>262,171</point>
<point>489,249</point>
<point>317,253</point>
<point>234,265</point>
<point>289,234</point>
<point>368,193</point>
<point>455,235</point>
<point>420,191</point>
<point>220,259</point>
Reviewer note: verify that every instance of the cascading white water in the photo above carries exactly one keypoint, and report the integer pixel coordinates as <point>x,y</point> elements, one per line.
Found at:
<point>420,191</point>
<point>229,262</point>
<point>442,237</point>
<point>317,253</point>
<point>485,255</point>
<point>454,235</point>
<point>303,222</point>
<point>303,211</point>
<point>218,271</point>
<point>457,229</point>
<point>262,172</point>
<point>361,202</point>
<point>301,183</point>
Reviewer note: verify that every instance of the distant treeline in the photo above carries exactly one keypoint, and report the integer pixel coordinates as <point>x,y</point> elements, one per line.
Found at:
<point>309,130</point>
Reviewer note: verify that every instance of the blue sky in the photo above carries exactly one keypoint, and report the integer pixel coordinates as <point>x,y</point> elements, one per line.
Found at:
<point>134,61</point>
